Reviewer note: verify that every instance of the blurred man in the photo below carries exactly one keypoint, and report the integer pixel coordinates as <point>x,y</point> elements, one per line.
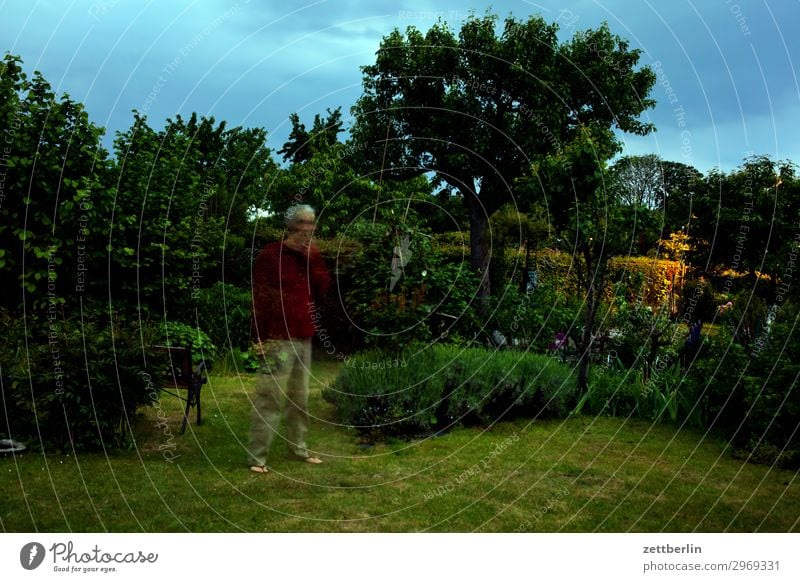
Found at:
<point>288,276</point>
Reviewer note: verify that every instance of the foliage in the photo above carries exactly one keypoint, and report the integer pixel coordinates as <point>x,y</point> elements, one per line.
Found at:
<point>745,316</point>
<point>638,181</point>
<point>747,219</point>
<point>771,395</point>
<point>51,193</point>
<point>182,204</point>
<point>234,361</point>
<point>398,288</point>
<point>698,300</point>
<point>176,334</point>
<point>468,108</point>
<point>666,397</point>
<point>425,389</point>
<point>643,335</point>
<point>76,383</point>
<point>643,280</point>
<point>223,312</point>
<point>531,320</point>
<point>652,184</point>
<point>584,218</point>
<point>714,374</point>
<point>325,179</point>
<point>302,144</point>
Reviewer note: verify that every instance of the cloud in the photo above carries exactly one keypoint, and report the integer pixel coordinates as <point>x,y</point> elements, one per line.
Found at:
<point>728,65</point>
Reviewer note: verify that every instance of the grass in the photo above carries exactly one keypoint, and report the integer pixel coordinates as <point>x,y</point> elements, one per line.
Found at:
<point>578,475</point>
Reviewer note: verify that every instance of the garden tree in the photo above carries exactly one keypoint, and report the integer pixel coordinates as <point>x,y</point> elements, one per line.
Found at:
<point>747,220</point>
<point>656,192</point>
<point>585,219</point>
<point>477,108</point>
<point>72,376</point>
<point>639,181</point>
<point>52,168</point>
<point>234,167</point>
<point>165,243</point>
<point>322,173</point>
<point>681,184</point>
<point>302,144</point>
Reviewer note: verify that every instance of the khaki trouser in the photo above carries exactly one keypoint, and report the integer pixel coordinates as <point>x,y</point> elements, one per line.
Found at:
<point>283,375</point>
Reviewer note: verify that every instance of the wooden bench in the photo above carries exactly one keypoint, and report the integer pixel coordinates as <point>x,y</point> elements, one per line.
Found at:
<point>181,374</point>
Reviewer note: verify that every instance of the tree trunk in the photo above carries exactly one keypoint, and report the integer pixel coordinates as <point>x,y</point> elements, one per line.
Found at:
<point>586,342</point>
<point>593,290</point>
<point>479,253</point>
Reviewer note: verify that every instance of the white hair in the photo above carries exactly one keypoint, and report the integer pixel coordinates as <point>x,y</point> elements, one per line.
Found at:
<point>296,212</point>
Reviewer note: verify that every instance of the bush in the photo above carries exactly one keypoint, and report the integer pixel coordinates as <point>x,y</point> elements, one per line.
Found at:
<point>175,334</point>
<point>411,393</point>
<point>665,396</point>
<point>531,320</point>
<point>648,280</point>
<point>770,395</point>
<point>609,393</point>
<point>393,301</point>
<point>223,312</point>
<point>72,383</point>
<point>698,300</point>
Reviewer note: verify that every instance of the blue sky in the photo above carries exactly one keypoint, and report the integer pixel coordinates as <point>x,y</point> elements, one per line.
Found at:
<point>728,82</point>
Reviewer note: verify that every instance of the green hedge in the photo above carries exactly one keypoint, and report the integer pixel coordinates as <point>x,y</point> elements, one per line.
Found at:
<point>417,392</point>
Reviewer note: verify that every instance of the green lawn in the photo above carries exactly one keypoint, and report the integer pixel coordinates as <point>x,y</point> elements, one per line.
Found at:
<point>578,475</point>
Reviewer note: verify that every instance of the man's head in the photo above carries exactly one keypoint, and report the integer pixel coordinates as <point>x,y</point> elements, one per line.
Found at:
<point>300,223</point>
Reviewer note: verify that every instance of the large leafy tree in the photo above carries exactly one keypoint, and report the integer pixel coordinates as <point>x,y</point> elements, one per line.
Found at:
<point>52,166</point>
<point>478,107</point>
<point>181,202</point>
<point>747,220</point>
<point>303,144</point>
<point>655,196</point>
<point>639,181</point>
<point>682,184</point>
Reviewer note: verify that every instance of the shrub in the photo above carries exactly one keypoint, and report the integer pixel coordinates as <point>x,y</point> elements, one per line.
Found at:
<point>76,383</point>
<point>394,300</point>
<point>173,333</point>
<point>648,280</point>
<point>611,391</point>
<point>410,393</point>
<point>770,395</point>
<point>223,312</point>
<point>698,300</point>
<point>379,393</point>
<point>531,320</point>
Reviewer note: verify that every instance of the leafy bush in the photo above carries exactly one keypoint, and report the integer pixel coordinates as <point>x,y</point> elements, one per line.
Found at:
<point>531,320</point>
<point>698,300</point>
<point>175,334</point>
<point>770,395</point>
<point>611,391</point>
<point>666,396</point>
<point>410,393</point>
<point>647,279</point>
<point>74,383</point>
<point>394,300</point>
<point>223,312</point>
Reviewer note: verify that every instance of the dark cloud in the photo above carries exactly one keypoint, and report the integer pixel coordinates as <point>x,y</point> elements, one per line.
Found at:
<point>727,69</point>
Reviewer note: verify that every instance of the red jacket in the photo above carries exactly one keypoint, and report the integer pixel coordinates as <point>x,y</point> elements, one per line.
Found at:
<point>285,285</point>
